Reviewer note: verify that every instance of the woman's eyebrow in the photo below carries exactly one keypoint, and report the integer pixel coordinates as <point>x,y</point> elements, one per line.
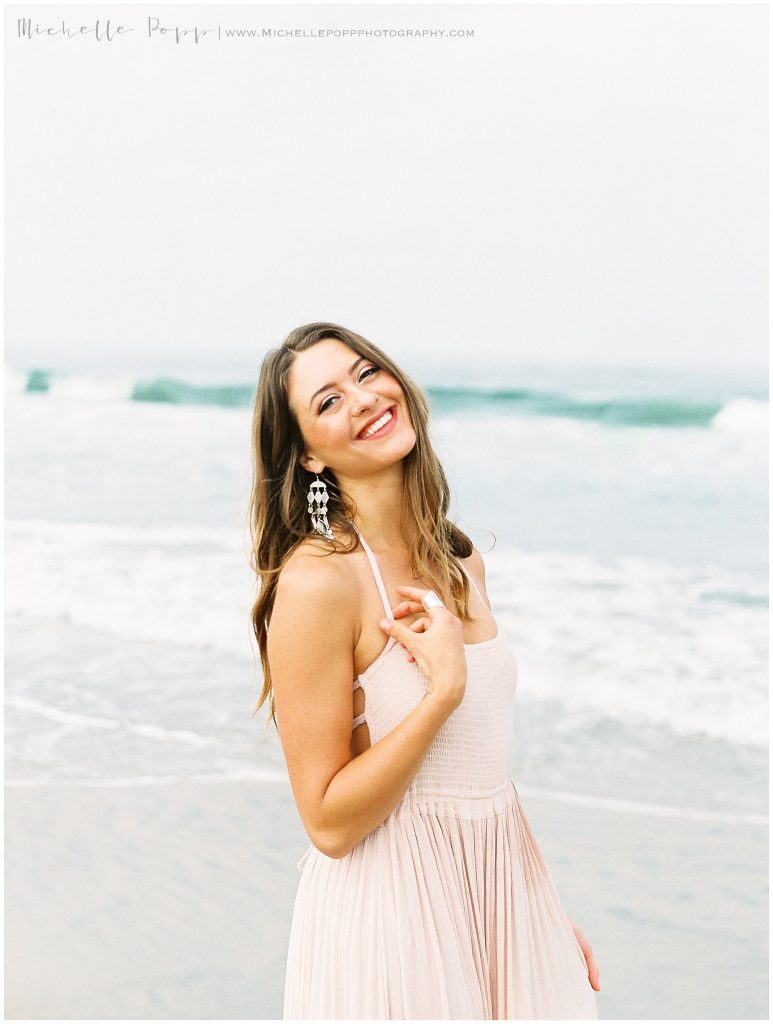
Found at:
<point>324,387</point>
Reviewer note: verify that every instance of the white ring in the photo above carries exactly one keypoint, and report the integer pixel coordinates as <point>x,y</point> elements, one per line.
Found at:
<point>431,600</point>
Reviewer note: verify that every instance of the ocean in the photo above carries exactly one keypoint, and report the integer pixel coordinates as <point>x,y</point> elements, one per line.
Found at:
<point>622,515</point>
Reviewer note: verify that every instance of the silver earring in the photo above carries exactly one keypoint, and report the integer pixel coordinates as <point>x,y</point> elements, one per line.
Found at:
<point>318,496</point>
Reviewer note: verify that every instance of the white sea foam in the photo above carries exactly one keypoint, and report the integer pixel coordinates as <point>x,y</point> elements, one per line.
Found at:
<point>743,416</point>
<point>638,641</point>
<point>79,721</point>
<point>92,388</point>
<point>638,807</point>
<point>14,382</point>
<point>248,774</point>
<point>632,639</point>
<point>257,774</point>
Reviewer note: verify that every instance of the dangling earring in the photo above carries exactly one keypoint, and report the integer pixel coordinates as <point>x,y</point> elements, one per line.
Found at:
<point>318,495</point>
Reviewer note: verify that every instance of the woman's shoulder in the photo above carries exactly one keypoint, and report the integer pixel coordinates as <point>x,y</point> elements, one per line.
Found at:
<point>314,591</point>
<point>475,561</point>
<point>475,564</point>
<point>313,564</point>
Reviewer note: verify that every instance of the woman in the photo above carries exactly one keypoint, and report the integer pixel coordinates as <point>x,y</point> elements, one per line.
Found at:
<point>423,892</point>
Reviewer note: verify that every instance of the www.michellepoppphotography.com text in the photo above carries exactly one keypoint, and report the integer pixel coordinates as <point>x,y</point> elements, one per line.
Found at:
<point>107,30</point>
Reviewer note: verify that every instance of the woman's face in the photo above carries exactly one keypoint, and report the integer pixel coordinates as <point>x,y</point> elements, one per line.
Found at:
<point>336,395</point>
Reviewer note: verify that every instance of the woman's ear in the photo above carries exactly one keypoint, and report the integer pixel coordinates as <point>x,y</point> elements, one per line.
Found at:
<point>310,464</point>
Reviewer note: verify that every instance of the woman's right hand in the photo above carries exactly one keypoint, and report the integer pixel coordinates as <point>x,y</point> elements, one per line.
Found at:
<point>436,644</point>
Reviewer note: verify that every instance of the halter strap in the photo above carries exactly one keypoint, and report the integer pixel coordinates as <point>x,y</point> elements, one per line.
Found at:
<point>473,584</point>
<point>376,573</point>
<point>380,581</point>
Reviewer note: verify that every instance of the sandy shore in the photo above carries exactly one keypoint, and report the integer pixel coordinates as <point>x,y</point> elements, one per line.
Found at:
<point>174,901</point>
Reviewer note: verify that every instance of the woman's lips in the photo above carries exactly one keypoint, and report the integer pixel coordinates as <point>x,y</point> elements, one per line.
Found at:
<point>383,431</point>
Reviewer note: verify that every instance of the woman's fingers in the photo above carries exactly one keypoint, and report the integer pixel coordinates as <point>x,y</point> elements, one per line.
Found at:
<point>412,604</point>
<point>593,969</point>
<point>407,608</point>
<point>418,626</point>
<point>590,960</point>
<point>414,594</point>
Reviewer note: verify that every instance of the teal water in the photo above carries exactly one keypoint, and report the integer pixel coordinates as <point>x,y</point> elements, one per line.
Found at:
<point>699,402</point>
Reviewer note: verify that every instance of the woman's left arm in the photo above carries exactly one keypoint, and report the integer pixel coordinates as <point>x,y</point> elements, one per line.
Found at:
<point>593,971</point>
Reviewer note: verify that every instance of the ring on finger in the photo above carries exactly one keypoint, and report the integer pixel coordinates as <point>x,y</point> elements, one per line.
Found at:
<point>431,600</point>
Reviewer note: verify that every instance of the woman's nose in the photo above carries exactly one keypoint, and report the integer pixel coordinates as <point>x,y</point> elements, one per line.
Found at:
<point>362,399</point>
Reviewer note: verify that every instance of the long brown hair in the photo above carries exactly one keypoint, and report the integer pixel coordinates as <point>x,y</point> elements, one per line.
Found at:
<point>278,508</point>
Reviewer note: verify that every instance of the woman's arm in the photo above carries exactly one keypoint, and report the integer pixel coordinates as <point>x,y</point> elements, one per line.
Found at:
<point>310,649</point>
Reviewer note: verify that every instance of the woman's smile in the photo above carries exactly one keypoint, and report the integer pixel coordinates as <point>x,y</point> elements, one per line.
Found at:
<point>385,423</point>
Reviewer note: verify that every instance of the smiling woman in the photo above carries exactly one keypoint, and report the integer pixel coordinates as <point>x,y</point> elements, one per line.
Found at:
<point>380,425</point>
<point>423,892</point>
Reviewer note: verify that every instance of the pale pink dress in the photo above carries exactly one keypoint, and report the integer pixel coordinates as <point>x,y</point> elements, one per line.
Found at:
<point>447,910</point>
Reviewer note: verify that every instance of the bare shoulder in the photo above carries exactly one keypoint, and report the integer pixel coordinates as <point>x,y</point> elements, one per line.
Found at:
<point>476,565</point>
<point>316,552</point>
<point>312,572</point>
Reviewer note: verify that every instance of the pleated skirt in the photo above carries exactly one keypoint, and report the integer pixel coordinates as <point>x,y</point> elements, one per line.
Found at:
<point>445,911</point>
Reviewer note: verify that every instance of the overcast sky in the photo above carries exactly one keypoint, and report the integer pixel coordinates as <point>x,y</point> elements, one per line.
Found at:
<point>584,184</point>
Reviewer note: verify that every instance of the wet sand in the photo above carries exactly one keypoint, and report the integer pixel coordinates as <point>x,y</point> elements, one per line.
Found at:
<point>174,902</point>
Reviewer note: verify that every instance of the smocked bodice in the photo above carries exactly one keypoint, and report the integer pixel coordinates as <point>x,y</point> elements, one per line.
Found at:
<point>471,754</point>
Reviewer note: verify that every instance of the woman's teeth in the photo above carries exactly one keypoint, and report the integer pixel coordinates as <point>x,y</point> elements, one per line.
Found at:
<point>378,424</point>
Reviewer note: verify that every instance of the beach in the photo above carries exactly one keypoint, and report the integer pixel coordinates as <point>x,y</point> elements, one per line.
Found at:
<point>173,900</point>
<point>152,840</point>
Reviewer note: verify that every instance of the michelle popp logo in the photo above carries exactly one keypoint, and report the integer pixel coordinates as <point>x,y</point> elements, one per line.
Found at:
<point>108,30</point>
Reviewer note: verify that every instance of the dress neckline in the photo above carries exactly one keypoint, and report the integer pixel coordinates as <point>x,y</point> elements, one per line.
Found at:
<point>387,608</point>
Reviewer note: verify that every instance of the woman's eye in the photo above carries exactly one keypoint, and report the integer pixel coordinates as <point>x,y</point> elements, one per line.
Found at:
<point>368,371</point>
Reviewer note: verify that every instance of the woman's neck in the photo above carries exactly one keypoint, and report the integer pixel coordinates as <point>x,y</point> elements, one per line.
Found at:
<point>379,504</point>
